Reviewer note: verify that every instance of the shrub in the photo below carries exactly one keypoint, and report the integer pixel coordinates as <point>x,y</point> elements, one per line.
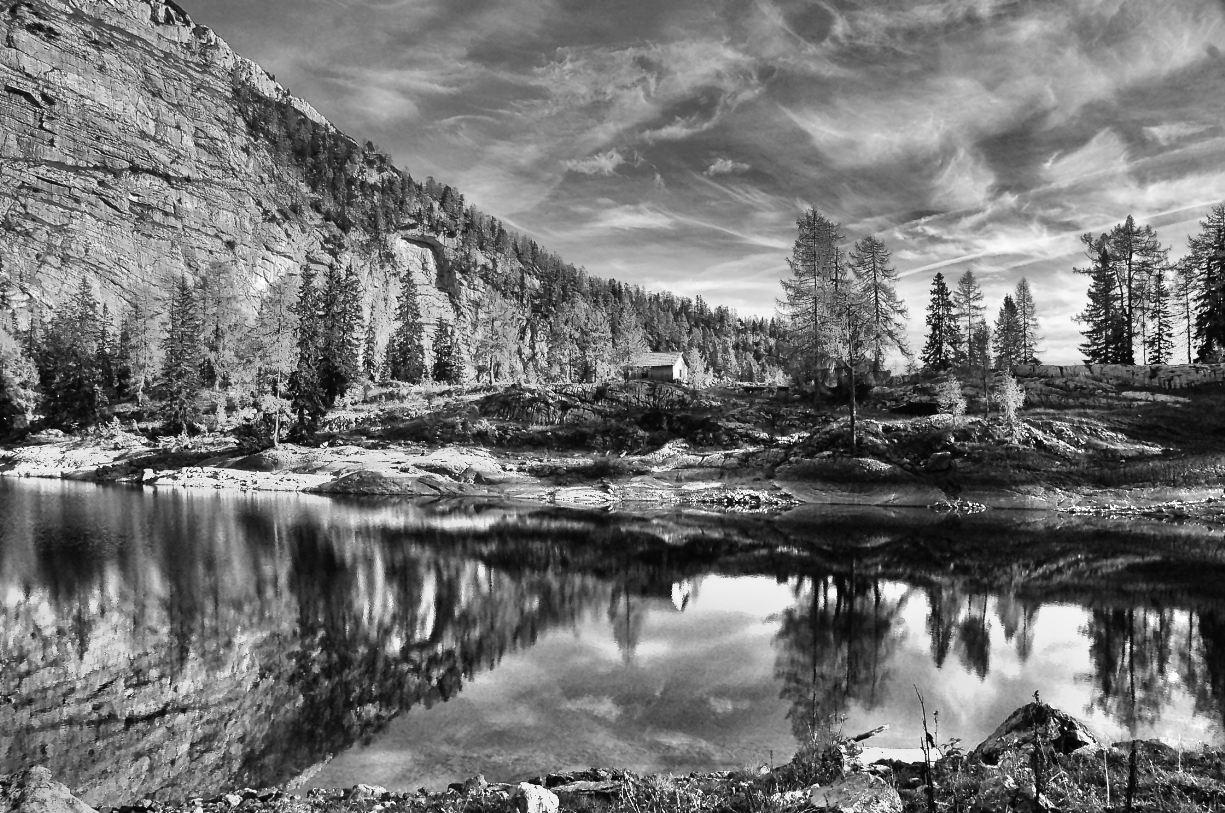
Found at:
<point>949,398</point>
<point>1010,397</point>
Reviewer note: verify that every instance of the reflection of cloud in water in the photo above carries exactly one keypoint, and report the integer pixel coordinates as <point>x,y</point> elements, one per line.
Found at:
<point>602,707</point>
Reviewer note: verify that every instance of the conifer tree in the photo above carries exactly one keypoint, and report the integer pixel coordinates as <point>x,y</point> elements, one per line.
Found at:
<point>1007,338</point>
<point>1159,342</point>
<point>1184,296</point>
<point>406,349</point>
<point>18,380</point>
<point>305,389</point>
<point>1207,263</point>
<point>1105,324</point>
<point>183,355</point>
<point>275,353</point>
<point>1027,312</point>
<point>339,364</point>
<point>136,353</point>
<point>970,311</point>
<point>372,362</point>
<point>817,274</point>
<point>448,367</point>
<point>1135,254</point>
<point>870,262</point>
<point>940,349</point>
<point>67,362</point>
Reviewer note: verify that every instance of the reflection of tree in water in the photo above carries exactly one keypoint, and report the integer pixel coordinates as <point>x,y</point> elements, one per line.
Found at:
<point>1017,619</point>
<point>1130,651</point>
<point>974,637</point>
<point>834,647</point>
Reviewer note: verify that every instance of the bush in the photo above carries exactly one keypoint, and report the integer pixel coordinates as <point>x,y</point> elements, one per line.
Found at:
<point>949,398</point>
<point>1010,397</point>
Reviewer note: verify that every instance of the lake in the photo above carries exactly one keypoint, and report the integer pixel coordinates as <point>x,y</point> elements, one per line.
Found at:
<point>170,643</point>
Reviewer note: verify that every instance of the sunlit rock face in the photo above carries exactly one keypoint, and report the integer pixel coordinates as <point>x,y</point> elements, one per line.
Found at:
<point>125,157</point>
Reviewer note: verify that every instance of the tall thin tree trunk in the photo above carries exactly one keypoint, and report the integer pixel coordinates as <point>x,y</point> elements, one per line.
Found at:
<point>854,426</point>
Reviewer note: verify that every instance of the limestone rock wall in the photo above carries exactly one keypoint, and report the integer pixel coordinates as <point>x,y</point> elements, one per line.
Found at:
<point>1158,376</point>
<point>124,157</point>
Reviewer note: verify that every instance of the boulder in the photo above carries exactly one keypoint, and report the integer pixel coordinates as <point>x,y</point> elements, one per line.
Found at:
<point>1058,729</point>
<point>529,798</point>
<point>35,791</point>
<point>856,793</point>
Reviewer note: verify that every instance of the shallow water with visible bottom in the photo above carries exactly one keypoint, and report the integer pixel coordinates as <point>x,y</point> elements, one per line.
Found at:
<point>172,643</point>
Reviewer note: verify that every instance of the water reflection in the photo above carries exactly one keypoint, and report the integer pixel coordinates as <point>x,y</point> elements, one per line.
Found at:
<point>169,642</point>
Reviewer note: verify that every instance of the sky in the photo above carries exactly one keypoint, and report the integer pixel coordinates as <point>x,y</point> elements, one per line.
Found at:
<point>673,143</point>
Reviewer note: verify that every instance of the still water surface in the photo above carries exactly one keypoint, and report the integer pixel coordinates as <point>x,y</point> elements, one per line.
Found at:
<point>169,643</point>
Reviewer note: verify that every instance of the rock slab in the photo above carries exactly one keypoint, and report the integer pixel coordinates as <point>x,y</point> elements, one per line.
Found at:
<point>529,798</point>
<point>35,791</point>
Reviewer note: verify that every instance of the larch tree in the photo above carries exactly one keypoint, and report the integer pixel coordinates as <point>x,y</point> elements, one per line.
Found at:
<point>448,365</point>
<point>871,264</point>
<point>1027,312</point>
<point>182,356</point>
<point>810,293</point>
<point>1207,263</point>
<point>1136,254</point>
<point>941,347</point>
<point>275,353</point>
<point>1184,294</point>
<point>137,355</point>
<point>372,357</point>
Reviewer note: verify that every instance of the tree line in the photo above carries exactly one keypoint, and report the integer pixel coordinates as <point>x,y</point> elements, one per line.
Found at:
<point>1143,307</point>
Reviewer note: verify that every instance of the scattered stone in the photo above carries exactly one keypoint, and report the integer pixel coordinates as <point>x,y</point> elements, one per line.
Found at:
<point>529,798</point>
<point>362,793</point>
<point>856,793</point>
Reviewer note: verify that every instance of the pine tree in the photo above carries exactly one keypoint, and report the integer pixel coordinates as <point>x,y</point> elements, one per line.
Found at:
<point>1207,261</point>
<point>305,389</point>
<point>183,356</point>
<point>940,349</point>
<point>67,360</point>
<point>1007,338</point>
<point>870,262</point>
<point>970,311</point>
<point>1105,322</point>
<point>1027,312</point>
<point>1159,343</point>
<point>406,349</point>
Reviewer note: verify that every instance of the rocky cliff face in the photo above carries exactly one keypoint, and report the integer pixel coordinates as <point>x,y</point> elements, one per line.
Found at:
<point>124,156</point>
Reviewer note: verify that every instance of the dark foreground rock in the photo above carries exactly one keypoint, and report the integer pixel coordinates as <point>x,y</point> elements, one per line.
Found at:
<point>1036,721</point>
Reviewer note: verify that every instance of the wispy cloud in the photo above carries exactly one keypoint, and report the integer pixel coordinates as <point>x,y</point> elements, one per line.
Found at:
<point>985,133</point>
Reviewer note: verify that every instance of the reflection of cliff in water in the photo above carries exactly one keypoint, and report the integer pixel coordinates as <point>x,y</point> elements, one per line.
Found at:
<point>177,644</point>
<point>178,641</point>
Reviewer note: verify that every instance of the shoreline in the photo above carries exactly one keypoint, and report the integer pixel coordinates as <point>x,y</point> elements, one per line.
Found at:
<point>1038,758</point>
<point>745,479</point>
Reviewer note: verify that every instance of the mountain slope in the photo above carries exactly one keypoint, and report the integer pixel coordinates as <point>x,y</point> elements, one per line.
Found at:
<point>136,146</point>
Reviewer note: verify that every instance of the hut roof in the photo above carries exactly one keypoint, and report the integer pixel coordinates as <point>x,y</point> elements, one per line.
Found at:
<point>654,359</point>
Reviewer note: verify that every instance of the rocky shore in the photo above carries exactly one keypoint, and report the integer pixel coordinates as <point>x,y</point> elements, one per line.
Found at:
<point>1038,759</point>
